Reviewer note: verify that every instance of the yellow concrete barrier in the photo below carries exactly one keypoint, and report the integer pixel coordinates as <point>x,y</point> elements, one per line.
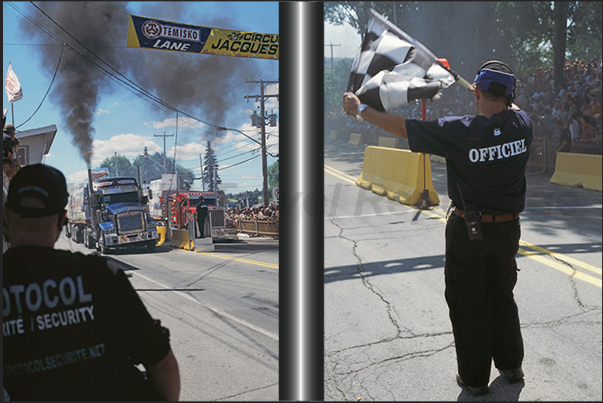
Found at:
<point>333,134</point>
<point>356,139</point>
<point>388,142</point>
<point>401,175</point>
<point>180,240</point>
<point>582,170</point>
<point>162,231</point>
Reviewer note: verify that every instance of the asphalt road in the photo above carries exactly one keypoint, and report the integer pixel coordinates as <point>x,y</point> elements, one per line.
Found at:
<point>222,311</point>
<point>387,331</point>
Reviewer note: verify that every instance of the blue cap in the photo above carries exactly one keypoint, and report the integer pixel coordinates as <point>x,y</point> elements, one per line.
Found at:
<point>487,76</point>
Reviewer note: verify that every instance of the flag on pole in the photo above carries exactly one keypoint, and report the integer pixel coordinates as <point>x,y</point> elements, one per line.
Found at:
<point>13,87</point>
<point>392,69</point>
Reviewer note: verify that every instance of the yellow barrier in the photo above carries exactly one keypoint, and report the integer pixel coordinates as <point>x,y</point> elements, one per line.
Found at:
<point>583,170</point>
<point>162,231</point>
<point>356,139</point>
<point>180,240</point>
<point>397,174</point>
<point>388,142</point>
<point>333,134</point>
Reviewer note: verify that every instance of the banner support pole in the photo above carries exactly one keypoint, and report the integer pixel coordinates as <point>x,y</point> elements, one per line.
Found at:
<point>426,202</point>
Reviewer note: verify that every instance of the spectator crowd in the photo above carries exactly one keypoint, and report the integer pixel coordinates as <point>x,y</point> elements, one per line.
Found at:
<point>578,105</point>
<point>10,146</point>
<point>261,213</point>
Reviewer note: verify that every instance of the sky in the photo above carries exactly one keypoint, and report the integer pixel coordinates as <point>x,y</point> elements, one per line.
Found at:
<point>343,35</point>
<point>208,87</point>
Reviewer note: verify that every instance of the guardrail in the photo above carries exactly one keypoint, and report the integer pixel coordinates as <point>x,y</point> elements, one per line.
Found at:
<point>543,155</point>
<point>258,227</point>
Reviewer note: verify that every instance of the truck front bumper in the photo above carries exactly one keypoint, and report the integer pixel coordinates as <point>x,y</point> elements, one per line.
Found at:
<point>131,239</point>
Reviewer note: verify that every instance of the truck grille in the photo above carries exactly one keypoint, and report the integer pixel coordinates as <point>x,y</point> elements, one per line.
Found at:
<point>132,221</point>
<point>217,218</point>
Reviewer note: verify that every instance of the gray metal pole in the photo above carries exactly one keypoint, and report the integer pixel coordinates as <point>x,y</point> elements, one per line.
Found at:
<point>201,169</point>
<point>264,160</point>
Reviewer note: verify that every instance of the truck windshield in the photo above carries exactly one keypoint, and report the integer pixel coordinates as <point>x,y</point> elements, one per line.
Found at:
<point>131,197</point>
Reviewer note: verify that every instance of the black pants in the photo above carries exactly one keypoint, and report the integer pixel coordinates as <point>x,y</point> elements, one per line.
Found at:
<point>201,223</point>
<point>480,277</point>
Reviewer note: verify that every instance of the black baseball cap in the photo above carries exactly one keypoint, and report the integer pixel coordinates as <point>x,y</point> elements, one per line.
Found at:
<point>41,182</point>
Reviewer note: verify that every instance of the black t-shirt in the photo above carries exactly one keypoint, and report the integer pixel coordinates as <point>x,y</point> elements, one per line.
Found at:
<point>74,329</point>
<point>565,136</point>
<point>7,143</point>
<point>486,157</point>
<point>202,210</point>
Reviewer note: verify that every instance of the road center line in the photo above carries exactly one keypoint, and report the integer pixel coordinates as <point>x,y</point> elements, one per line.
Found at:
<point>558,257</point>
<point>239,259</point>
<point>219,312</point>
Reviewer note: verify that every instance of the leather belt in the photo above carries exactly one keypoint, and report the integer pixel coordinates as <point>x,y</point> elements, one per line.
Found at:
<point>490,218</point>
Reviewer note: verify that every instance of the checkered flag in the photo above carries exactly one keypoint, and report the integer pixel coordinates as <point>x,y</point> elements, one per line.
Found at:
<point>392,69</point>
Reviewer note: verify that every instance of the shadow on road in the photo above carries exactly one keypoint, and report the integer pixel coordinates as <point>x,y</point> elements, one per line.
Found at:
<point>371,269</point>
<point>500,391</point>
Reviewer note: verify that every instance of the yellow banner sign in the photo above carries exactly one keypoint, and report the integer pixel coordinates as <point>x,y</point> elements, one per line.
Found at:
<point>165,35</point>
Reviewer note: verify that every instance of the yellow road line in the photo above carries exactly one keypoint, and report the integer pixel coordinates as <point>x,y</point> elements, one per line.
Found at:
<point>441,215</point>
<point>238,259</point>
<point>341,175</point>
<point>561,267</point>
<point>559,256</point>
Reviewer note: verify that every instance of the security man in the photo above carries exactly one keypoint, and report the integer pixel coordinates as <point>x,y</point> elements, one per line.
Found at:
<point>73,326</point>
<point>202,213</point>
<point>486,156</point>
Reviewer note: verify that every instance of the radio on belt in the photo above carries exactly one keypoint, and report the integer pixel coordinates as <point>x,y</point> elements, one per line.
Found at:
<point>472,220</point>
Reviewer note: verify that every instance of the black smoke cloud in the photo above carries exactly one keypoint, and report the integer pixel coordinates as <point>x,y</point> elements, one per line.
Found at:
<point>204,86</point>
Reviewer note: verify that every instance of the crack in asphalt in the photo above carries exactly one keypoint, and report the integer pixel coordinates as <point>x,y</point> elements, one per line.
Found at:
<point>352,374</point>
<point>247,391</point>
<point>400,330</point>
<point>566,320</point>
<point>571,278</point>
<point>404,357</point>
<point>367,283</point>
<point>388,340</point>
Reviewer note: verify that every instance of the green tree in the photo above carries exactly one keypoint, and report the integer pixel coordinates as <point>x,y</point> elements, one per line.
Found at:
<point>211,168</point>
<point>548,33</point>
<point>186,177</point>
<point>150,168</point>
<point>354,13</point>
<point>526,35</point>
<point>273,173</point>
<point>124,166</point>
<point>584,30</point>
<point>335,82</point>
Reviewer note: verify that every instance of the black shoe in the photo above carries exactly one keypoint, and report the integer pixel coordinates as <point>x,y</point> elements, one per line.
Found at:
<point>476,390</point>
<point>512,375</point>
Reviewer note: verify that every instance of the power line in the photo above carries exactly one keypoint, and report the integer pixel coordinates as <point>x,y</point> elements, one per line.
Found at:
<point>47,91</point>
<point>123,80</point>
<point>242,162</point>
<point>127,82</point>
<point>235,156</point>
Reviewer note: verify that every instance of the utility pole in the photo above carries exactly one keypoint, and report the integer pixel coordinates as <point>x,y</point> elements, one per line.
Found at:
<point>216,184</point>
<point>201,169</point>
<point>331,45</point>
<point>164,150</point>
<point>115,159</point>
<point>262,98</point>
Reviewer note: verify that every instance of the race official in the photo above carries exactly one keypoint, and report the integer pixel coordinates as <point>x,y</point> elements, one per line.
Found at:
<point>202,213</point>
<point>73,326</point>
<point>486,156</point>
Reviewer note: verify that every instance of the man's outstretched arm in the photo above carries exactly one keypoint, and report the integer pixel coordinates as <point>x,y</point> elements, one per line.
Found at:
<point>391,123</point>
